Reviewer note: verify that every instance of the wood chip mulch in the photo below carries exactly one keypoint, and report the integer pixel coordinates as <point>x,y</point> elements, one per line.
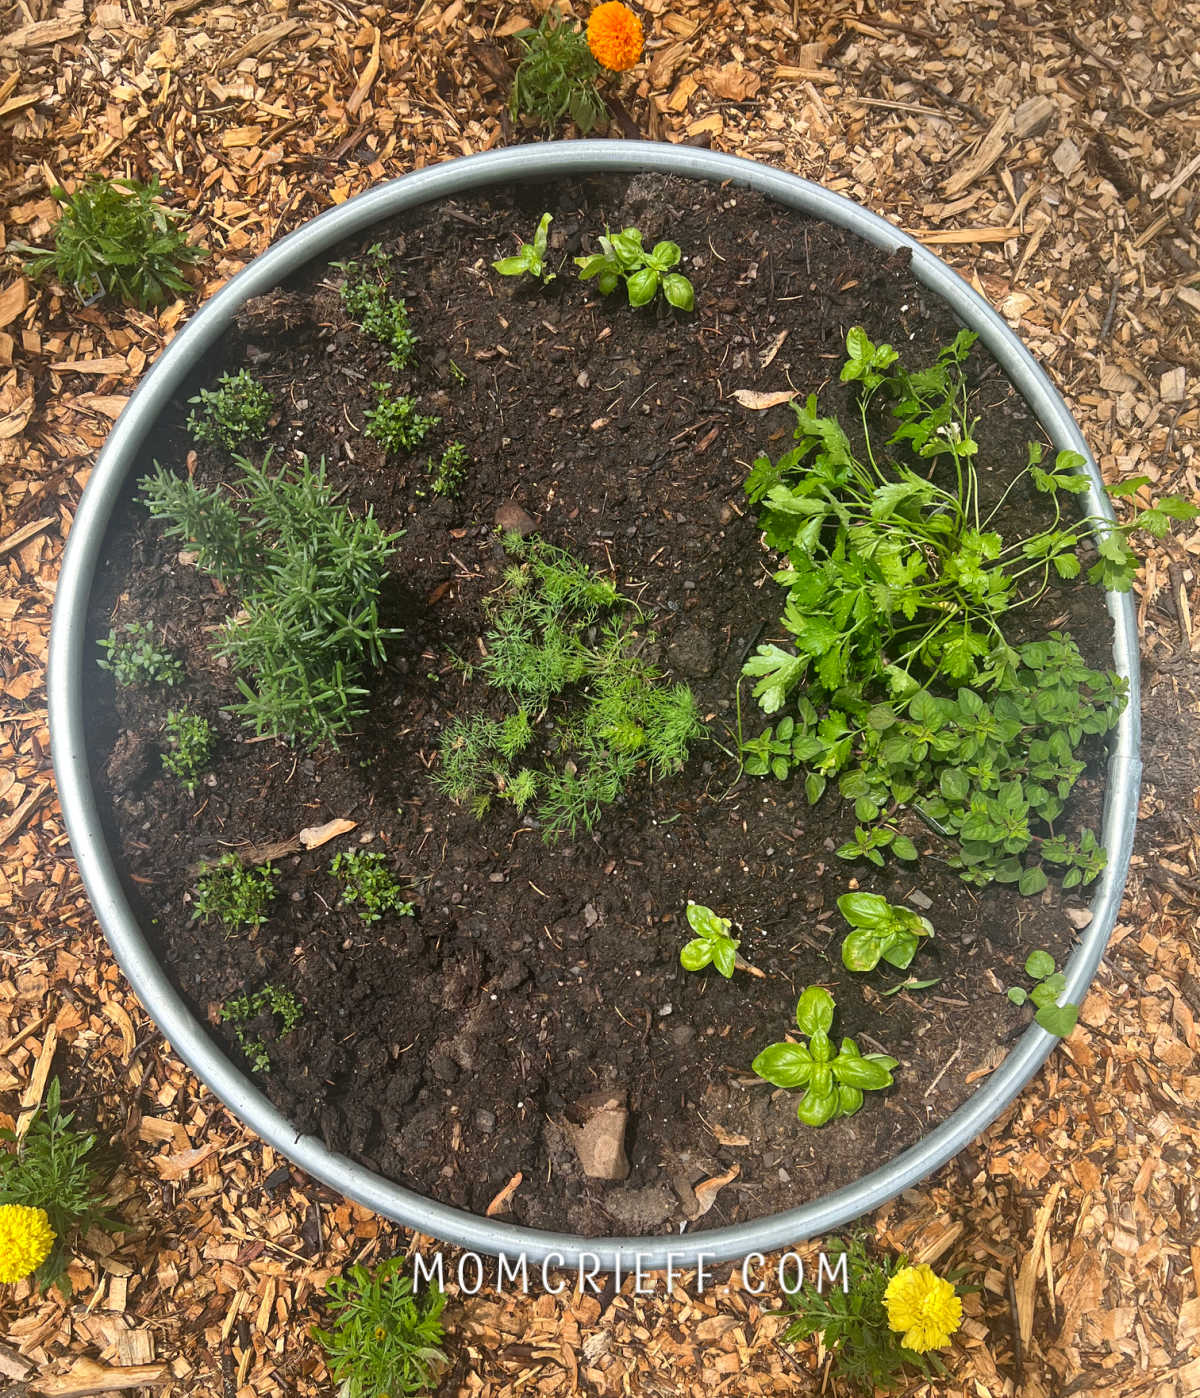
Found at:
<point>1050,155</point>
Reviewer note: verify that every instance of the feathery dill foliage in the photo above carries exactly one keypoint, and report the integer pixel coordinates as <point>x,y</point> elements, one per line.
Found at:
<point>383,1338</point>
<point>113,238</point>
<point>309,574</point>
<point>557,75</point>
<point>381,315</point>
<point>55,1167</point>
<point>236,411</point>
<point>554,630</point>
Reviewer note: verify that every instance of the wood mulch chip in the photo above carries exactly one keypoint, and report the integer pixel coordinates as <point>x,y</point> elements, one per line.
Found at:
<point>1049,154</point>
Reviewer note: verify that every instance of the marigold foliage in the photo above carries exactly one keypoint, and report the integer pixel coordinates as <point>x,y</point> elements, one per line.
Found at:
<point>924,1307</point>
<point>614,35</point>
<point>25,1240</point>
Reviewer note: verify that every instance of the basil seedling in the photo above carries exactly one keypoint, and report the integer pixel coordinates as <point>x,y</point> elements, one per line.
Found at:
<point>882,932</point>
<point>834,1083</point>
<point>712,943</point>
<point>531,258</point>
<point>623,256</point>
<point>1053,1017</point>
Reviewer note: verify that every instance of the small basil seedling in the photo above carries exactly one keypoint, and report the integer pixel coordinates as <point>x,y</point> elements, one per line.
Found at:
<point>531,258</point>
<point>882,932</point>
<point>1053,1017</point>
<point>645,273</point>
<point>834,1083</point>
<point>712,943</point>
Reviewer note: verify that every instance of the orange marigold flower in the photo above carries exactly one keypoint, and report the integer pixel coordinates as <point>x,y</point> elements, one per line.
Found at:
<point>614,35</point>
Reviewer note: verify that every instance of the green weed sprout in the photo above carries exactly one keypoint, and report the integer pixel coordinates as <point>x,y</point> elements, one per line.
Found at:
<point>395,423</point>
<point>243,1008</point>
<point>236,411</point>
<point>834,1083</point>
<point>381,315</point>
<point>383,1340</point>
<point>366,880</point>
<point>712,944</point>
<point>531,258</point>
<point>191,738</point>
<point>622,256</point>
<point>309,574</point>
<point>113,238</point>
<point>55,1167</point>
<point>135,658</point>
<point>862,1325</point>
<point>236,895</point>
<point>882,931</point>
<point>1053,1017</point>
<point>556,76</point>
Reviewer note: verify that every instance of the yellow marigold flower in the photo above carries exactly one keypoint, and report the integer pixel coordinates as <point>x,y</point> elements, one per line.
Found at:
<point>924,1306</point>
<point>614,35</point>
<point>25,1240</point>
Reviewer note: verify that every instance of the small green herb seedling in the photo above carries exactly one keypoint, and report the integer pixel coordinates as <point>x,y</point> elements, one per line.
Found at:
<point>366,880</point>
<point>243,1008</point>
<point>114,238</point>
<point>450,472</point>
<point>395,422</point>
<point>55,1166</point>
<point>532,257</point>
<point>135,658</point>
<point>236,411</point>
<point>383,1339</point>
<point>381,315</point>
<point>191,739</point>
<point>712,944</point>
<point>623,256</point>
<point>834,1083</point>
<point>882,931</point>
<point>236,895</point>
<point>1053,1017</point>
<point>557,75</point>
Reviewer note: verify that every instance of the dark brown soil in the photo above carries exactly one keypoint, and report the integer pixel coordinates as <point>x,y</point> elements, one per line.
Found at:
<point>448,1051</point>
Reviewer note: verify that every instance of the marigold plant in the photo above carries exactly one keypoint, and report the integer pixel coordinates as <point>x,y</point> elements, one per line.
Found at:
<point>923,1307</point>
<point>614,35</point>
<point>25,1240</point>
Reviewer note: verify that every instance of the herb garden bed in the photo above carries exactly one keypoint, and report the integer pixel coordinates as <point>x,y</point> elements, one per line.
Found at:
<point>458,1046</point>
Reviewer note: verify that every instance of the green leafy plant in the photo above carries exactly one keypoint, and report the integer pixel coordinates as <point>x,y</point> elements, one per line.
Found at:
<point>381,315</point>
<point>309,574</point>
<point>114,238</point>
<point>383,1339</point>
<point>366,880</point>
<point>556,75</point>
<point>555,642</point>
<point>395,423</point>
<point>882,931</point>
<point>191,738</point>
<point>55,1166</point>
<point>135,658</point>
<point>450,472</point>
<point>243,1009</point>
<point>866,1352</point>
<point>712,944</point>
<point>531,258</point>
<point>1053,1017</point>
<point>834,1083</point>
<point>236,411</point>
<point>235,894</point>
<point>899,595</point>
<point>622,256</point>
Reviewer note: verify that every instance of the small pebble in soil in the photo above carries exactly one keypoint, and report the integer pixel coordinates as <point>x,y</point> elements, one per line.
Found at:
<point>444,1068</point>
<point>485,1120</point>
<point>920,900</point>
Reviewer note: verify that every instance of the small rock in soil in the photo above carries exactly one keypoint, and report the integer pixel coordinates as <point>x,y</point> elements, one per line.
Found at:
<point>640,1210</point>
<point>600,1141</point>
<point>485,1120</point>
<point>513,519</point>
<point>444,1068</point>
<point>920,900</point>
